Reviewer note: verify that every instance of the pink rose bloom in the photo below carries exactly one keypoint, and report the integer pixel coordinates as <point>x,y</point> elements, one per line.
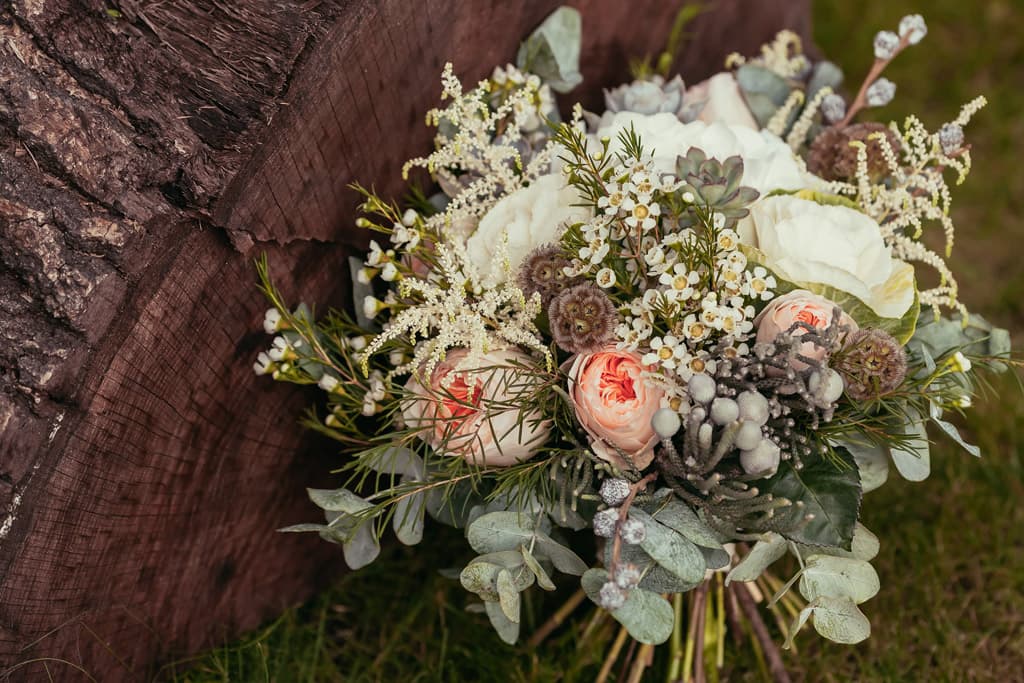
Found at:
<point>615,406</point>
<point>723,101</point>
<point>798,306</point>
<point>456,419</point>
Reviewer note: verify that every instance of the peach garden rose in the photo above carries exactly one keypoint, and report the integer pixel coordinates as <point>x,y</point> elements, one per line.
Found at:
<point>453,416</point>
<point>615,405</point>
<point>800,306</point>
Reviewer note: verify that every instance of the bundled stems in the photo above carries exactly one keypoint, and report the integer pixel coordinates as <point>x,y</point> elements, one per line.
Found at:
<point>776,668</point>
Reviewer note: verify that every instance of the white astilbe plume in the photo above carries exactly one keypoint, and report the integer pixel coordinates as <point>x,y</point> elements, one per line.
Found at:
<point>916,194</point>
<point>481,144</point>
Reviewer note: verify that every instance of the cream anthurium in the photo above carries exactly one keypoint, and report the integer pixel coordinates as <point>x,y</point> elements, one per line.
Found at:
<point>528,218</point>
<point>810,243</point>
<point>769,163</point>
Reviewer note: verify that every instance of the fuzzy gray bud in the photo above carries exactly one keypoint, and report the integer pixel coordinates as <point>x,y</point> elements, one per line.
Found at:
<point>753,407</point>
<point>605,521</point>
<point>886,43</point>
<point>951,138</point>
<point>748,436</point>
<point>611,596</point>
<point>628,576</point>
<point>881,92</point>
<point>666,423</point>
<point>833,108</point>
<point>724,411</point>
<point>633,531</point>
<point>764,458</point>
<point>913,28</point>
<point>614,491</point>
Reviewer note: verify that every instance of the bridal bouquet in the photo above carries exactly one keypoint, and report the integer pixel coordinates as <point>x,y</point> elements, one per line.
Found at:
<point>657,347</point>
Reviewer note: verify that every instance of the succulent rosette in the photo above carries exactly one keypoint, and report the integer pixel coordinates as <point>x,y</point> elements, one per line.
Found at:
<point>690,323</point>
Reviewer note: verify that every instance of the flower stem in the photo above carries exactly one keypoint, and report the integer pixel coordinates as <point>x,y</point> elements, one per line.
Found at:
<point>675,665</point>
<point>557,618</point>
<point>613,654</point>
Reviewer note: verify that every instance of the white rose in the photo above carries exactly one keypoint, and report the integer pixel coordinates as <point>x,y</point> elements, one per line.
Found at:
<point>530,217</point>
<point>723,101</point>
<point>806,242</point>
<point>768,162</point>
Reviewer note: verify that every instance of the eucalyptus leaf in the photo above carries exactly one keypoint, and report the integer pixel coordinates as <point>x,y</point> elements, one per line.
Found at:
<point>951,431</point>
<point>408,518</point>
<point>798,623</point>
<point>451,505</point>
<point>497,531</point>
<point>975,336</point>
<point>360,291</point>
<point>647,616</point>
<point>294,528</point>
<point>715,558</point>
<point>507,629</point>
<point>543,580</point>
<point>840,621</point>
<point>764,91</point>
<point>872,462</point>
<point>655,578</point>
<point>670,549</point>
<point>396,461</point>
<point>765,553</point>
<point>338,500</point>
<point>362,549</point>
<point>508,595</point>
<point>829,494</point>
<point>912,457</point>
<point>553,50</point>
<point>838,577</point>
<point>678,516</point>
<point>481,578</point>
<point>865,546</point>
<point>565,560</point>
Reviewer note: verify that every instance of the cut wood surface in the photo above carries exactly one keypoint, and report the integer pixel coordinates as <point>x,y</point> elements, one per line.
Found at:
<point>149,151</point>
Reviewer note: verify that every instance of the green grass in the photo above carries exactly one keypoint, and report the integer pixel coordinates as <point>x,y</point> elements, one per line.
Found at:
<point>951,606</point>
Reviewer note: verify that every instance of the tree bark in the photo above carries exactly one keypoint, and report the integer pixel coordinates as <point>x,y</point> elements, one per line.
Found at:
<point>147,154</point>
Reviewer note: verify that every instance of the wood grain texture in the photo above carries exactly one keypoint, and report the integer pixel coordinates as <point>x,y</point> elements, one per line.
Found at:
<point>144,161</point>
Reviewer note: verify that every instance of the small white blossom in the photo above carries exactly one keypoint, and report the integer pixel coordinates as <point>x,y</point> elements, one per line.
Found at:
<point>263,365</point>
<point>272,321</point>
<point>372,306</point>
<point>328,383</point>
<point>605,278</point>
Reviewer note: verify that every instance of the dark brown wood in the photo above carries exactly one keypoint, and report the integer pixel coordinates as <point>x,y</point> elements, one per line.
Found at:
<point>145,159</point>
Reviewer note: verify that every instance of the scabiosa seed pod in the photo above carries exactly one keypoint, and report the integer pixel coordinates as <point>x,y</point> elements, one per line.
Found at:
<point>633,531</point>
<point>605,521</point>
<point>582,319</point>
<point>543,271</point>
<point>611,596</point>
<point>614,491</point>
<point>881,92</point>
<point>872,364</point>
<point>951,138</point>
<point>832,158</point>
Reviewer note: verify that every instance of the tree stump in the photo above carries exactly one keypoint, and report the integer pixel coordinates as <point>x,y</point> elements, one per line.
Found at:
<point>148,154</point>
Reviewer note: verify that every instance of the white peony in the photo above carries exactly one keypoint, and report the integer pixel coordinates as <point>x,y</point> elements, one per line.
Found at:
<point>529,217</point>
<point>806,242</point>
<point>768,162</point>
<point>723,101</point>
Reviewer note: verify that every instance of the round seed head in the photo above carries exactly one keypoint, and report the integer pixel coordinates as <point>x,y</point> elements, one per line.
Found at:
<point>724,411</point>
<point>614,491</point>
<point>633,531</point>
<point>763,458</point>
<point>666,423</point>
<point>605,521</point>
<point>702,388</point>
<point>611,596</point>
<point>753,407</point>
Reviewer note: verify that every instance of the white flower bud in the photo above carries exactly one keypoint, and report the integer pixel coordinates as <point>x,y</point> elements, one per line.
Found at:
<point>762,458</point>
<point>702,388</point>
<point>357,343</point>
<point>748,436</point>
<point>614,491</point>
<point>328,383</point>
<point>263,365</point>
<point>605,278</point>
<point>372,306</point>
<point>389,272</point>
<point>628,576</point>
<point>272,321</point>
<point>724,411</point>
<point>961,363</point>
<point>409,217</point>
<point>364,275</point>
<point>753,407</point>
<point>886,43</point>
<point>666,423</point>
<point>913,28</point>
<point>881,92</point>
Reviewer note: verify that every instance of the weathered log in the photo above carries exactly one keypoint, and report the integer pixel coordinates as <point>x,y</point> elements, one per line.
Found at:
<point>147,154</point>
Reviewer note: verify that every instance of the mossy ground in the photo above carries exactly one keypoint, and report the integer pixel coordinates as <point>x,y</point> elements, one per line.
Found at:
<point>951,606</point>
